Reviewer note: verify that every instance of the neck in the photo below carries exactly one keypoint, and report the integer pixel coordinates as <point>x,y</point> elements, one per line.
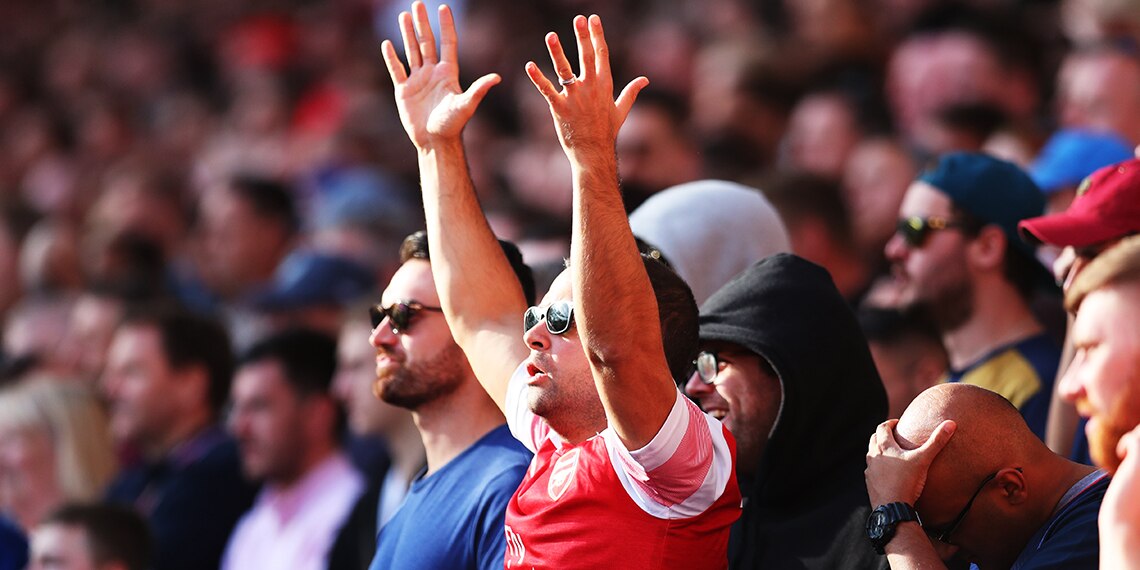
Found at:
<point>1000,316</point>
<point>182,431</point>
<point>451,424</point>
<point>312,457</point>
<point>406,448</point>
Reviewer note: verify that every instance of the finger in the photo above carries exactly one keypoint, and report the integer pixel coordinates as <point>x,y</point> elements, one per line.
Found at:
<point>411,46</point>
<point>558,57</point>
<point>938,440</point>
<point>480,87</point>
<point>544,86</point>
<point>628,95</point>
<point>395,66</point>
<point>601,48</point>
<point>448,41</point>
<point>585,47</point>
<point>423,30</point>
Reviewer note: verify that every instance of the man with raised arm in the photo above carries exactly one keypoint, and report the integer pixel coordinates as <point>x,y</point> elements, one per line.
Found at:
<point>625,467</point>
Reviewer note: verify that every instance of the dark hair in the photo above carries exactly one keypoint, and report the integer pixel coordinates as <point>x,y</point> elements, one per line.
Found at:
<point>677,312</point>
<point>190,339</point>
<point>268,198</point>
<point>1019,268</point>
<point>798,195</point>
<point>115,533</point>
<point>415,246</point>
<point>890,326</point>
<point>308,360</point>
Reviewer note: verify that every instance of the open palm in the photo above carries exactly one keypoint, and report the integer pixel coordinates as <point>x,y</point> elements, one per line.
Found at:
<point>432,105</point>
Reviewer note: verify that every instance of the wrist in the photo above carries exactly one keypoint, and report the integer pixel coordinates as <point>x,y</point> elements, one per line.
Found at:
<point>435,146</point>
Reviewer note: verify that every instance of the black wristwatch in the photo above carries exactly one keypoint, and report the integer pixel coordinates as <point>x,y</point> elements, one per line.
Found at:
<point>883,520</point>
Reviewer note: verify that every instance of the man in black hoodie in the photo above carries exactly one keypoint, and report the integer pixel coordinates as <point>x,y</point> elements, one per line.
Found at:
<point>785,366</point>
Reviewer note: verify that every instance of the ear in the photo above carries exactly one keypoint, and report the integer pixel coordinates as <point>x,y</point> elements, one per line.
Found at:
<point>987,250</point>
<point>320,415</point>
<point>1013,485</point>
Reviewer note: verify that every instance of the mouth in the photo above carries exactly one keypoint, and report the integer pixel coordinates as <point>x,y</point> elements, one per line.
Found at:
<point>717,412</point>
<point>534,372</point>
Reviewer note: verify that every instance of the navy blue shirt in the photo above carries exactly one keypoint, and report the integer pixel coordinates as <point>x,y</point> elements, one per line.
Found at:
<point>1069,539</point>
<point>13,546</point>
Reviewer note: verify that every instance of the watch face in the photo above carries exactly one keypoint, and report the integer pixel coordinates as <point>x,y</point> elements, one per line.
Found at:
<point>876,524</point>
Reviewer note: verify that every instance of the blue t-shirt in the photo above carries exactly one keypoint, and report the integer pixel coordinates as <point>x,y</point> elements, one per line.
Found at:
<point>454,518</point>
<point>1023,372</point>
<point>1069,539</point>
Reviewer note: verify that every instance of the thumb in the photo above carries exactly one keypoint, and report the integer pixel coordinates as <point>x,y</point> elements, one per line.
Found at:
<point>478,90</point>
<point>938,440</point>
<point>628,95</point>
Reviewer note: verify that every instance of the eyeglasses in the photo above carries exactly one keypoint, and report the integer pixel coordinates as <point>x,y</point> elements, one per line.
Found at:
<point>706,366</point>
<point>915,229</point>
<point>399,314</point>
<point>558,316</point>
<point>943,534</point>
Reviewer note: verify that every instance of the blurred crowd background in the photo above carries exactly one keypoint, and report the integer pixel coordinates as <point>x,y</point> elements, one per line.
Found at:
<point>246,159</point>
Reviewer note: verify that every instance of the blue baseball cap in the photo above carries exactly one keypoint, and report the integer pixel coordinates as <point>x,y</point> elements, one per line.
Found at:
<point>1071,154</point>
<point>310,278</point>
<point>992,190</point>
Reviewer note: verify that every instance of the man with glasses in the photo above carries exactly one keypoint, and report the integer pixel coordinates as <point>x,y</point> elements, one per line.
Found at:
<point>957,258</point>
<point>785,366</point>
<point>626,471</point>
<point>452,515</point>
<point>961,473</point>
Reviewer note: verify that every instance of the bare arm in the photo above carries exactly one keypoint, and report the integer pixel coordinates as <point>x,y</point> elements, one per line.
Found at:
<point>897,475</point>
<point>480,295</point>
<point>615,309</point>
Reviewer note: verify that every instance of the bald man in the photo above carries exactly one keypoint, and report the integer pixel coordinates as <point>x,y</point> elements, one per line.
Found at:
<point>962,468</point>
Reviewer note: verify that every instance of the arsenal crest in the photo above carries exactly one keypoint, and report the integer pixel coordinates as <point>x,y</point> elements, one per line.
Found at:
<point>562,475</point>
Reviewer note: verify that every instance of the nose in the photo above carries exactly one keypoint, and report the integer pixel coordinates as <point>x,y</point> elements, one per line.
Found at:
<point>1070,387</point>
<point>538,337</point>
<point>695,387</point>
<point>382,335</point>
<point>896,248</point>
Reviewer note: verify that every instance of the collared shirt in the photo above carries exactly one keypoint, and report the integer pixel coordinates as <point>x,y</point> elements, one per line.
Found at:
<point>293,528</point>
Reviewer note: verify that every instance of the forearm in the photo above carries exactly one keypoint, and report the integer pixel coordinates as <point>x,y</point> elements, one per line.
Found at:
<point>910,549</point>
<point>618,318</point>
<point>479,292</point>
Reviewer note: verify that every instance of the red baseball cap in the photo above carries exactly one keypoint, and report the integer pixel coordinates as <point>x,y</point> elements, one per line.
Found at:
<point>1107,207</point>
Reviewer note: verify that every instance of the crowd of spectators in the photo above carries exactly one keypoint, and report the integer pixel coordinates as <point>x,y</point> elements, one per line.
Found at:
<point>186,188</point>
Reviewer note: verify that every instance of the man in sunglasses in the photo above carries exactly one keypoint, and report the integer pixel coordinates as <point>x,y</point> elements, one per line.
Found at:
<point>626,470</point>
<point>961,473</point>
<point>957,258</point>
<point>785,366</point>
<point>452,515</point>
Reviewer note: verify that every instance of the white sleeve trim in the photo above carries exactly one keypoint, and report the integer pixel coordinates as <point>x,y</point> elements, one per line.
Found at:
<point>660,449</point>
<point>520,419</point>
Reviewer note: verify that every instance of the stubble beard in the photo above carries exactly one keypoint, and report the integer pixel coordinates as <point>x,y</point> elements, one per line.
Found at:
<point>411,386</point>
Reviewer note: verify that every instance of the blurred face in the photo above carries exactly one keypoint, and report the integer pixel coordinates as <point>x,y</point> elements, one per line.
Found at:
<point>560,386</point>
<point>268,422</point>
<point>932,275</point>
<point>60,547</point>
<point>1104,377</point>
<point>422,363</point>
<point>138,382</point>
<point>242,248</point>
<point>28,481</point>
<point>743,395</point>
<point>821,134</point>
<point>352,385</point>
<point>89,334</point>
<point>652,154</point>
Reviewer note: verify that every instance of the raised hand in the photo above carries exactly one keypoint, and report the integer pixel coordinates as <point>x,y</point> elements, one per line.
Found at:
<point>433,106</point>
<point>1120,512</point>
<point>896,474</point>
<point>585,114</point>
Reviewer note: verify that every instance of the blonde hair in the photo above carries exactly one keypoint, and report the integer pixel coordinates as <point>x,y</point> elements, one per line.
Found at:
<point>77,424</point>
<point>1119,264</point>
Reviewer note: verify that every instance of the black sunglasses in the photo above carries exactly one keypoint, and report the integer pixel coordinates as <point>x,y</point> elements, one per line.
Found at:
<point>943,534</point>
<point>399,314</point>
<point>915,229</point>
<point>558,316</point>
<point>706,366</point>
